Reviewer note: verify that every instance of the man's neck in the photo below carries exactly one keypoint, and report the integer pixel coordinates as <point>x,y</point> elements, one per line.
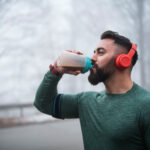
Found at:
<point>118,84</point>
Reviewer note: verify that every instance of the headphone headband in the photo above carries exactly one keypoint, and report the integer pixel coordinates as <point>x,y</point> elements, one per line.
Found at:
<point>132,51</point>
<point>133,46</point>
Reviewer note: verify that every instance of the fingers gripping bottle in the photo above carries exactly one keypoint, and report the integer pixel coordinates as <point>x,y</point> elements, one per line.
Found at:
<point>74,61</point>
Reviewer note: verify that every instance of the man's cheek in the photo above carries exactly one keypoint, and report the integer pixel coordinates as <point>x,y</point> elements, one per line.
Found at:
<point>101,63</point>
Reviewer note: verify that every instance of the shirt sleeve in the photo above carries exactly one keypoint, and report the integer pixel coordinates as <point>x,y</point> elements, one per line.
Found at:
<point>146,123</point>
<point>46,93</point>
<point>69,106</point>
<point>49,101</point>
<point>147,137</point>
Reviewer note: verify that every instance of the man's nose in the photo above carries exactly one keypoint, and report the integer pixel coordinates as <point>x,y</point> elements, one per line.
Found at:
<point>93,58</point>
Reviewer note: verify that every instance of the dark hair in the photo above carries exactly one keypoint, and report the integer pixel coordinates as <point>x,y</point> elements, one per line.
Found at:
<point>122,41</point>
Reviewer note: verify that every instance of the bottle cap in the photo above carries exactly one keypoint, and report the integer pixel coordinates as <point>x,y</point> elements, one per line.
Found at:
<point>88,65</point>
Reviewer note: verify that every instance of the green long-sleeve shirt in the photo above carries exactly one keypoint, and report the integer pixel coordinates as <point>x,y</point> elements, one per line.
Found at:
<point>108,121</point>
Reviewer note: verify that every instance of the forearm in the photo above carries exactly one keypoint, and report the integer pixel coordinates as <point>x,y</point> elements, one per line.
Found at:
<point>46,93</point>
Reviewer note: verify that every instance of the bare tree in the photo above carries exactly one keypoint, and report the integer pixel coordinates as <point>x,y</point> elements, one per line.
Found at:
<point>140,31</point>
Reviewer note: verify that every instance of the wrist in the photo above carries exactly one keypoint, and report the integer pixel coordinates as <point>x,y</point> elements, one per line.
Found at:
<point>54,71</point>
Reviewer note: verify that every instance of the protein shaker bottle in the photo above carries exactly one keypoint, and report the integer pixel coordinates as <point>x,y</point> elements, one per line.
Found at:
<point>74,61</point>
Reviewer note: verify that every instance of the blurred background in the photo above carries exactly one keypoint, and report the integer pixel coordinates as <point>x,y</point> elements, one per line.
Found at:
<point>32,35</point>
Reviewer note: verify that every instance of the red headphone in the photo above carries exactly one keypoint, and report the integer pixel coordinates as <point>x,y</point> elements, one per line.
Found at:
<point>123,61</point>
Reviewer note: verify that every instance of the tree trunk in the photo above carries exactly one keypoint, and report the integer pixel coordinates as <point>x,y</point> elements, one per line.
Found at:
<point>140,30</point>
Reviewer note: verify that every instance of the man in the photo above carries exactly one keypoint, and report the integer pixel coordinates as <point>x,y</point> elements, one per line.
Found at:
<point>117,118</point>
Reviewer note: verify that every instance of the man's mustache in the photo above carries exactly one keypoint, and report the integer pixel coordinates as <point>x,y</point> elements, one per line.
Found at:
<point>94,64</point>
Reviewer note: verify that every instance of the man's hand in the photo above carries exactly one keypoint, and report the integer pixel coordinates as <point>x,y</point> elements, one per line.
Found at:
<point>62,70</point>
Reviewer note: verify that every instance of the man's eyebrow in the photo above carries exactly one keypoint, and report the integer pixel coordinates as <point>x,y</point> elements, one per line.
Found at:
<point>99,49</point>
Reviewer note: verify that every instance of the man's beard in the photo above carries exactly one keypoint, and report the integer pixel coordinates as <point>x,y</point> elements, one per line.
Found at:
<point>100,75</point>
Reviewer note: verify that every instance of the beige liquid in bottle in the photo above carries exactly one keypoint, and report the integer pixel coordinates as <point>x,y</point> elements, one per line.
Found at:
<point>71,60</point>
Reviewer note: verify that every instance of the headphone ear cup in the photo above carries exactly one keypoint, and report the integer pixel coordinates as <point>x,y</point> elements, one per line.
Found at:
<point>123,61</point>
